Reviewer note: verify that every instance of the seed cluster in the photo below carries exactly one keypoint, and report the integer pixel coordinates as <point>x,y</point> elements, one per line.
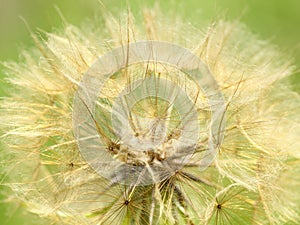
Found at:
<point>254,178</point>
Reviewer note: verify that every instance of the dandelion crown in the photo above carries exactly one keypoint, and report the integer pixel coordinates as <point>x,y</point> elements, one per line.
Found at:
<point>144,122</point>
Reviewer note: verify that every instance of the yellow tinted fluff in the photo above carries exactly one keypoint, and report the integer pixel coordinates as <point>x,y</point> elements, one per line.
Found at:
<point>253,180</point>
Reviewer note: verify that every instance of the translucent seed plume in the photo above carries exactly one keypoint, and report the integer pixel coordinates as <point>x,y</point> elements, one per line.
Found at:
<point>254,178</point>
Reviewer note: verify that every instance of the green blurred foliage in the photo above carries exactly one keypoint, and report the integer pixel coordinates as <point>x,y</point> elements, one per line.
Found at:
<point>274,20</point>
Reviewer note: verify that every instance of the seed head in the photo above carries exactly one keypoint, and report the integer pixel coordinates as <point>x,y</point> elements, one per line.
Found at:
<point>101,129</point>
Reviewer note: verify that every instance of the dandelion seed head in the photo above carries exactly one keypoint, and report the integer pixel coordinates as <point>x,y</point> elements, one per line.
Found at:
<point>148,125</point>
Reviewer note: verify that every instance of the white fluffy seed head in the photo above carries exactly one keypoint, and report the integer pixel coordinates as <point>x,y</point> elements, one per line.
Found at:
<point>253,180</point>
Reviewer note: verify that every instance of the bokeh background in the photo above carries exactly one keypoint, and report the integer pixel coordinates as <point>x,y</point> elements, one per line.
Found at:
<point>274,20</point>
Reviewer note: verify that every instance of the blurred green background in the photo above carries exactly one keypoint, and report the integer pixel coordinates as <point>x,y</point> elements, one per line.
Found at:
<point>274,20</point>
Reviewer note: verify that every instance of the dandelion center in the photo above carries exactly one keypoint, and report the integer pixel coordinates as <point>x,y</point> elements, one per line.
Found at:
<point>143,111</point>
